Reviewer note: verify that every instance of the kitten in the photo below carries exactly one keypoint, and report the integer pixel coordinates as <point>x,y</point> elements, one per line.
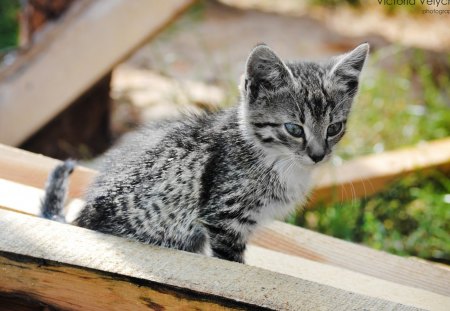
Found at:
<point>203,185</point>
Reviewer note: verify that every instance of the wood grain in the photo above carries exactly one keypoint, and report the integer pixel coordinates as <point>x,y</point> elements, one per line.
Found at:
<point>351,266</point>
<point>32,170</point>
<point>76,268</point>
<point>356,178</point>
<point>81,51</point>
<point>60,286</point>
<point>342,278</point>
<point>296,241</point>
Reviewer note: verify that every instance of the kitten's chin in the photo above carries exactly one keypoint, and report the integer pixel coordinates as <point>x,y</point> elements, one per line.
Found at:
<point>308,163</point>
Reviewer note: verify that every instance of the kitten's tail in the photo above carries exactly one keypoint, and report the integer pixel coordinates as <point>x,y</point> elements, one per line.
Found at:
<point>52,204</point>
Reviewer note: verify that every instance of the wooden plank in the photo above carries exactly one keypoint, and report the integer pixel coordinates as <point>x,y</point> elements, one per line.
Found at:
<point>305,245</point>
<point>55,286</point>
<point>83,51</point>
<point>344,279</point>
<point>367,175</point>
<point>355,178</point>
<point>59,263</point>
<point>25,199</point>
<point>296,241</point>
<point>48,34</point>
<point>32,169</point>
<point>128,295</point>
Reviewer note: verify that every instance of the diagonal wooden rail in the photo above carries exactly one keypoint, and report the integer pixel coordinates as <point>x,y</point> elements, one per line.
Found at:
<point>353,179</point>
<point>369,174</point>
<point>100,33</point>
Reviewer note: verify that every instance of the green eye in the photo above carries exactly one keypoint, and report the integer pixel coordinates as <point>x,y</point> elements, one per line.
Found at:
<point>294,129</point>
<point>334,129</point>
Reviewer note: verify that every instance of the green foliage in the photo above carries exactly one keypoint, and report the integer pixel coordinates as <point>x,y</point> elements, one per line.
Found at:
<point>389,7</point>
<point>9,27</point>
<point>412,217</point>
<point>334,3</point>
<point>399,106</point>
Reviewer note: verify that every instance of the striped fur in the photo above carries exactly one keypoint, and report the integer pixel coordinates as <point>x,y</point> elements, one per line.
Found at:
<point>205,184</point>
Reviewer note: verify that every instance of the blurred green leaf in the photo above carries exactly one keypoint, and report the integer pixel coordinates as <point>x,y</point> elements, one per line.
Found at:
<point>9,26</point>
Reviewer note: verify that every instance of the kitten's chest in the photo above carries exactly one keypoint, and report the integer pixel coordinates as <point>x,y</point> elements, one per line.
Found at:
<point>296,184</point>
<point>284,191</point>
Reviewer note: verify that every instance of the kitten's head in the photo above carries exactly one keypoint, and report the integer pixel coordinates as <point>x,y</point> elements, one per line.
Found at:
<point>299,110</point>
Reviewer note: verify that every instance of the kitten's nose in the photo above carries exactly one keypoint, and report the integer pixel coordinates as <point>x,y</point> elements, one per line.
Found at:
<point>316,153</point>
<point>317,157</point>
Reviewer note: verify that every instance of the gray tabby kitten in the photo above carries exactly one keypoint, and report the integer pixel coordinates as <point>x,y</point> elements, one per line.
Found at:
<point>205,184</point>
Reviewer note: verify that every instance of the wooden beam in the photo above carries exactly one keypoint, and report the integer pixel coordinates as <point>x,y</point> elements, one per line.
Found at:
<point>26,200</point>
<point>62,137</point>
<point>343,260</point>
<point>30,51</point>
<point>84,49</point>
<point>344,279</point>
<point>356,178</point>
<point>367,175</point>
<point>32,170</point>
<point>55,286</point>
<point>296,241</point>
<point>57,264</point>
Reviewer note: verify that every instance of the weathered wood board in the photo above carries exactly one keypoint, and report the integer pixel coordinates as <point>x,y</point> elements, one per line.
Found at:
<point>32,170</point>
<point>309,255</point>
<point>83,48</point>
<point>355,178</point>
<point>70,267</point>
<point>296,241</point>
<point>342,278</point>
<point>369,174</point>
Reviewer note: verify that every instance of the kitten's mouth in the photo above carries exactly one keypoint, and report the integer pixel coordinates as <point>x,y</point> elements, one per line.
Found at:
<point>308,161</point>
<point>323,161</point>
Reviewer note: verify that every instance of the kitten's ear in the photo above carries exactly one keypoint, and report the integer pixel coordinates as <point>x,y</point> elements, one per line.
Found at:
<point>264,70</point>
<point>344,70</point>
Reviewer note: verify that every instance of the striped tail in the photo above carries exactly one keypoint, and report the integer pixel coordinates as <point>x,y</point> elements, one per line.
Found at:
<point>52,205</point>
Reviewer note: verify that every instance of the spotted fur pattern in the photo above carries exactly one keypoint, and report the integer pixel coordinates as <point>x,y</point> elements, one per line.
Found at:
<point>203,185</point>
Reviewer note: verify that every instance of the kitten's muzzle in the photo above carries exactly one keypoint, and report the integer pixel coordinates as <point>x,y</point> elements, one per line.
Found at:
<point>316,155</point>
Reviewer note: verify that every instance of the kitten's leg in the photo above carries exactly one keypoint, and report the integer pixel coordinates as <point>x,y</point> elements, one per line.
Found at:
<point>198,240</point>
<point>225,248</point>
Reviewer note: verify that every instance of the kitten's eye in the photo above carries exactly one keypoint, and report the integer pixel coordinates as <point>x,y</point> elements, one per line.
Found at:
<point>334,129</point>
<point>294,129</point>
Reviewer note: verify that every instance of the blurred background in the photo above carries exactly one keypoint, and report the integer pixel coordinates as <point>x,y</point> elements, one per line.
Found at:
<point>195,63</point>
